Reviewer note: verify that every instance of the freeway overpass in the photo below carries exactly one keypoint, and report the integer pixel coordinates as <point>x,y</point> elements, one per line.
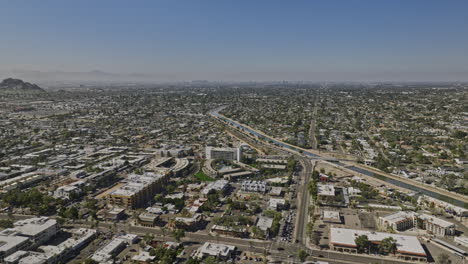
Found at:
<point>444,195</point>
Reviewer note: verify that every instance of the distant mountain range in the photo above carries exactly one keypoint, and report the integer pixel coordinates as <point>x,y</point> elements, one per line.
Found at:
<point>17,85</point>
<point>48,78</point>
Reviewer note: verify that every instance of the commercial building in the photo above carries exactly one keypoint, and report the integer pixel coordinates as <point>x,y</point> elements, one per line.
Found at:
<point>137,190</point>
<point>229,230</point>
<point>106,253</point>
<point>38,230</point>
<point>264,223</point>
<point>325,191</point>
<point>11,244</point>
<point>219,185</point>
<point>276,191</point>
<point>276,203</point>
<point>148,219</point>
<point>408,247</point>
<point>223,153</point>
<point>26,234</point>
<point>113,248</point>
<point>69,191</point>
<point>188,223</point>
<point>331,217</point>
<point>54,254</point>
<point>220,251</point>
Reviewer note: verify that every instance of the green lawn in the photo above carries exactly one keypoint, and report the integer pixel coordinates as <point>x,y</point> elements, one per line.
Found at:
<point>203,177</point>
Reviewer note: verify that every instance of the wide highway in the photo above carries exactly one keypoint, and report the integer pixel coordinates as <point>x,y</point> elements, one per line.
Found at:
<point>452,198</point>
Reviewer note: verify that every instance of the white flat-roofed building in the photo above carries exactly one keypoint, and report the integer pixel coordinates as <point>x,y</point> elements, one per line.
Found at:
<point>223,153</point>
<point>29,257</point>
<point>276,191</point>
<point>408,247</point>
<point>331,216</point>
<point>143,257</point>
<point>276,203</point>
<point>221,251</point>
<point>218,185</point>
<point>12,244</point>
<point>106,253</point>
<point>264,223</point>
<point>325,190</point>
<point>66,191</point>
<point>38,230</point>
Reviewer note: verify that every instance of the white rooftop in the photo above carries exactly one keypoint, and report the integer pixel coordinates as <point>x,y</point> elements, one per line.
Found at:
<point>215,249</point>
<point>326,189</point>
<point>405,244</point>
<point>34,226</point>
<point>134,183</point>
<point>398,217</point>
<point>264,222</point>
<point>437,221</point>
<point>331,214</point>
<point>9,242</point>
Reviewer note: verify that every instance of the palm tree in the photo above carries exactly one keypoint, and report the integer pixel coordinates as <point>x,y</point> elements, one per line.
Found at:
<point>388,245</point>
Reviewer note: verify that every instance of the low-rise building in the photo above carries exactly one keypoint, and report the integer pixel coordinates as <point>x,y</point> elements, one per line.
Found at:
<point>148,219</point>
<point>276,203</point>
<point>331,217</point>
<point>38,230</point>
<point>69,191</point>
<point>189,223</point>
<point>229,230</point>
<point>254,186</point>
<point>220,251</point>
<point>276,191</point>
<point>219,185</point>
<point>408,247</point>
<point>10,244</point>
<point>264,223</point>
<point>325,192</point>
<point>108,251</point>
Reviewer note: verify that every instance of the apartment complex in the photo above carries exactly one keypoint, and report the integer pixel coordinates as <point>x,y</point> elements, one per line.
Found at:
<point>137,190</point>
<point>401,221</point>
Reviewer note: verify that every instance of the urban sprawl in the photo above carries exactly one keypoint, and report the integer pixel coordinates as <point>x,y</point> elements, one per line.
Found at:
<point>207,172</point>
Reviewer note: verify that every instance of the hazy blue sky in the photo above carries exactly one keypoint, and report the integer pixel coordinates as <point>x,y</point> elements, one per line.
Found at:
<point>238,39</point>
